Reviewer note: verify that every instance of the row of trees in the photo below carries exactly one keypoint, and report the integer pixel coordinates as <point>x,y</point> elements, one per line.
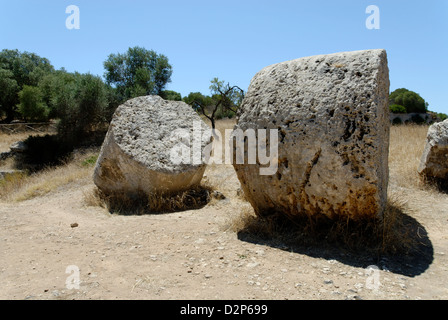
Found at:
<point>406,101</point>
<point>32,90</point>
<point>18,70</point>
<point>83,104</point>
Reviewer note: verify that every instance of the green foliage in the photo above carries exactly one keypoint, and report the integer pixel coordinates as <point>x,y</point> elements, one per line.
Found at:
<point>17,70</point>
<point>138,72</point>
<point>81,105</point>
<point>412,101</point>
<point>27,68</point>
<point>52,86</point>
<point>114,100</point>
<point>442,116</point>
<point>230,97</point>
<point>31,106</point>
<point>224,102</point>
<point>8,93</point>
<point>80,101</point>
<point>396,108</point>
<point>90,161</point>
<point>197,99</point>
<point>171,95</point>
<point>224,113</point>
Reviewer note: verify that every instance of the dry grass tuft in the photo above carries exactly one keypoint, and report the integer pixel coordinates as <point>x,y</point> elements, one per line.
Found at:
<point>11,183</point>
<point>407,143</point>
<point>395,233</point>
<point>141,203</point>
<point>93,198</point>
<point>6,140</point>
<point>23,186</point>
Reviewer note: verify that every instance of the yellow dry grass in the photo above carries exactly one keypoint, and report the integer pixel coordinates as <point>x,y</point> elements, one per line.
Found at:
<point>138,204</point>
<point>392,234</point>
<point>406,147</point>
<point>407,143</point>
<point>6,140</point>
<point>22,186</point>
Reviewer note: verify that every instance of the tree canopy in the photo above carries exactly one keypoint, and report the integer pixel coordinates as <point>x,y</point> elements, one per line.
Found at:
<point>8,94</point>
<point>410,100</point>
<point>224,101</point>
<point>19,69</point>
<point>83,104</point>
<point>138,72</point>
<point>171,95</point>
<point>31,105</point>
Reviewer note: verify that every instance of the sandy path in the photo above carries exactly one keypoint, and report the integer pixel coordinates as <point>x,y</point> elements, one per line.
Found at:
<point>191,255</point>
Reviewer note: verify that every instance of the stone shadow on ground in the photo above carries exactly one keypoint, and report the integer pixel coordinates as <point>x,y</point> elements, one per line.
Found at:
<point>410,253</point>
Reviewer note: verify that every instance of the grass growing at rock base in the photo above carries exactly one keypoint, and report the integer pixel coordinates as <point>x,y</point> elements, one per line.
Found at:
<point>22,186</point>
<point>397,232</point>
<point>141,203</point>
<point>394,233</point>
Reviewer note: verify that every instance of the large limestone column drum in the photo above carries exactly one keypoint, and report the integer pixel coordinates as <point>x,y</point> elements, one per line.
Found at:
<point>136,156</point>
<point>434,161</point>
<point>332,116</point>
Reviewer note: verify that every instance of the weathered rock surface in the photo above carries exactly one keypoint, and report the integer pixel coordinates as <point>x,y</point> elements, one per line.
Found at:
<point>332,115</point>
<point>434,161</point>
<point>136,155</point>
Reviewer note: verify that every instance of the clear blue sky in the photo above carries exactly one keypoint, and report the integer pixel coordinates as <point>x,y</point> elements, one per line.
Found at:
<point>232,40</point>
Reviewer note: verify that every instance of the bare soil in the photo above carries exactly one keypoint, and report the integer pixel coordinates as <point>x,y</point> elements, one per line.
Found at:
<point>197,254</point>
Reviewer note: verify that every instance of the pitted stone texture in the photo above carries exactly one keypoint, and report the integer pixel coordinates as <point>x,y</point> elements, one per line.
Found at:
<point>136,153</point>
<point>332,115</point>
<point>434,161</point>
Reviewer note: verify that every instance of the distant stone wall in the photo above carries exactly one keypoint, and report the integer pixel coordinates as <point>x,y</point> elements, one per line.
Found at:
<point>407,117</point>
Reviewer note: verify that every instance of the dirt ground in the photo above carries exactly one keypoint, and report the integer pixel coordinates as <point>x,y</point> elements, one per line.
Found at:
<point>46,242</point>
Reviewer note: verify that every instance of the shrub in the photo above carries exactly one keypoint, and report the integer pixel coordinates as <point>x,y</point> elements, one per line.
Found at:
<point>396,108</point>
<point>411,100</point>
<point>31,106</point>
<point>171,95</point>
<point>90,161</point>
<point>220,113</point>
<point>82,106</point>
